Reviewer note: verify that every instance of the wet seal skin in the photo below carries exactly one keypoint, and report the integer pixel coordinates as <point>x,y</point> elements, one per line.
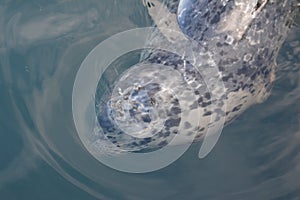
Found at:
<point>151,99</point>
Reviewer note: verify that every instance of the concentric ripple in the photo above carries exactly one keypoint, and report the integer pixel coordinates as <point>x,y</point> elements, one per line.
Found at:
<point>146,107</point>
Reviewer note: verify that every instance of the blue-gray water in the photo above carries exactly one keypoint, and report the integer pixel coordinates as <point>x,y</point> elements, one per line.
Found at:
<point>43,43</point>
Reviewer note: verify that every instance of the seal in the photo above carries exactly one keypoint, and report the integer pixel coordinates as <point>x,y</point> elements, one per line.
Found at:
<point>148,102</point>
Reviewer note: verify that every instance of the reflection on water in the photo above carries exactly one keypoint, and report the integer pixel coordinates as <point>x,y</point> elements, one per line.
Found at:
<point>42,44</point>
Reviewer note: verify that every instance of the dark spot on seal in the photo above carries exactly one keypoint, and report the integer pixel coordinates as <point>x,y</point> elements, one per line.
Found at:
<point>163,143</point>
<point>132,113</point>
<point>259,26</point>
<point>200,100</point>
<point>207,95</point>
<point>134,93</point>
<point>219,111</point>
<point>160,134</point>
<point>216,19</point>
<point>134,144</point>
<point>167,134</point>
<point>226,78</point>
<point>153,88</point>
<point>253,77</point>
<point>201,129</point>
<point>205,104</point>
<point>187,125</point>
<point>237,108</point>
<point>143,142</point>
<point>111,129</point>
<point>221,68</point>
<point>194,105</point>
<point>207,113</point>
<point>120,133</point>
<point>172,122</point>
<point>175,110</point>
<point>197,92</point>
<point>146,118</point>
<point>148,139</point>
<point>175,101</point>
<point>219,44</point>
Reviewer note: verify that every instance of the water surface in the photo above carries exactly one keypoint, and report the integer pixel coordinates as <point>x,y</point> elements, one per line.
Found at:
<point>43,43</point>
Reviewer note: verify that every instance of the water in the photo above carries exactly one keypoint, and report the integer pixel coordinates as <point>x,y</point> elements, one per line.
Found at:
<point>43,43</point>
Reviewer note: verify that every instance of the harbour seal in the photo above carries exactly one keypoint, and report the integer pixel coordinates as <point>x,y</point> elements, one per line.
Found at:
<point>143,109</point>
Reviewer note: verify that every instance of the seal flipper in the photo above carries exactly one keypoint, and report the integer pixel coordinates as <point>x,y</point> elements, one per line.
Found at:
<point>165,20</point>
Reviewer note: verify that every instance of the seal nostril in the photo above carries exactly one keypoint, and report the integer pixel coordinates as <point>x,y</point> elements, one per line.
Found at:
<point>259,3</point>
<point>146,118</point>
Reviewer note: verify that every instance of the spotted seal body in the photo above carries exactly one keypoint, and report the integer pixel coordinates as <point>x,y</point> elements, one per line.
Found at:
<point>161,93</point>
